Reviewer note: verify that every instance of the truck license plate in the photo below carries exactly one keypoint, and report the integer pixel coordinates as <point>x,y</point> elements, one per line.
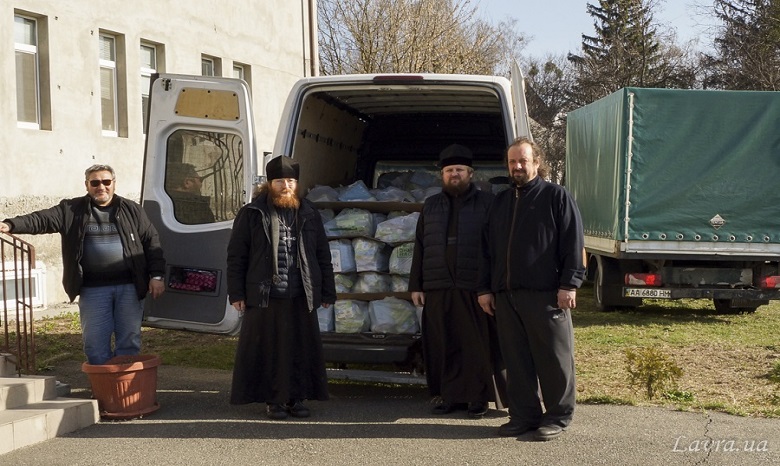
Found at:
<point>647,293</point>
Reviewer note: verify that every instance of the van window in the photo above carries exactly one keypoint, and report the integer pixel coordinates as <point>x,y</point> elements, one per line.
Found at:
<point>204,176</point>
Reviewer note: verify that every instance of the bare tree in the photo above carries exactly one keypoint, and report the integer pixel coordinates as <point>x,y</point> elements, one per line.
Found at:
<point>746,48</point>
<point>549,85</point>
<point>412,36</point>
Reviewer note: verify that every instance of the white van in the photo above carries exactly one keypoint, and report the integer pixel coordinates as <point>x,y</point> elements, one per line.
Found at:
<point>201,165</point>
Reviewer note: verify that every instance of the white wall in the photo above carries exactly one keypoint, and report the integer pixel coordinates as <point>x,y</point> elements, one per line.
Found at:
<point>38,167</point>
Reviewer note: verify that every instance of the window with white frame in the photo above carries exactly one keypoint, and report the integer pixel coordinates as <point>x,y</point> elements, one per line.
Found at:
<point>207,67</point>
<point>27,79</point>
<point>238,71</point>
<point>148,68</point>
<point>108,85</point>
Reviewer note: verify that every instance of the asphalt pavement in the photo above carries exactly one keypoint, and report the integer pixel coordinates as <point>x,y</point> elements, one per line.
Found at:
<point>384,425</point>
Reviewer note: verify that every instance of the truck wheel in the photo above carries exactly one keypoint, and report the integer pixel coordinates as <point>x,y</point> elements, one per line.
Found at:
<point>726,306</point>
<point>608,286</point>
<point>600,290</point>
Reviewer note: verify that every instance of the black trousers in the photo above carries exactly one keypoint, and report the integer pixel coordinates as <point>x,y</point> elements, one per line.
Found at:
<point>537,344</point>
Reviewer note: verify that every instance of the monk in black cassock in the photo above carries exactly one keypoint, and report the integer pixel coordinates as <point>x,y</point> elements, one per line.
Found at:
<point>462,361</point>
<point>279,272</point>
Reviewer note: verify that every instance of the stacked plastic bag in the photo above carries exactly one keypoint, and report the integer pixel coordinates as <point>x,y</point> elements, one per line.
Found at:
<point>388,315</point>
<point>372,253</point>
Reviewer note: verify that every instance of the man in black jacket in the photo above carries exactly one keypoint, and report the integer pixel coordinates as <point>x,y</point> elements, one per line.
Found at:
<point>533,265</point>
<point>111,258</point>
<point>459,344</point>
<point>279,272</point>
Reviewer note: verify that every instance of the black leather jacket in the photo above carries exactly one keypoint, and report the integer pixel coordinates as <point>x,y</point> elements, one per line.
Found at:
<point>140,242</point>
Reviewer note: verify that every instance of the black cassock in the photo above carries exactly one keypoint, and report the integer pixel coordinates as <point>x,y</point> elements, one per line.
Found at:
<point>279,355</point>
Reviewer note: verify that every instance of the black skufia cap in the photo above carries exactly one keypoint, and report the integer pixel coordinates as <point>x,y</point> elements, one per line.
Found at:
<point>282,167</point>
<point>455,154</point>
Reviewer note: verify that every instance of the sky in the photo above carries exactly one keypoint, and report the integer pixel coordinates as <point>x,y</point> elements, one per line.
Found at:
<point>557,25</point>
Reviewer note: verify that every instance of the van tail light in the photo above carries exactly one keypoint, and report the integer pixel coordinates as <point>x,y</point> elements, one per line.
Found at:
<point>398,79</point>
<point>644,279</point>
<point>770,282</point>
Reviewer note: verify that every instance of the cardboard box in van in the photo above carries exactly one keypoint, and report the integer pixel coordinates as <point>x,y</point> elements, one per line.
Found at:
<point>360,131</point>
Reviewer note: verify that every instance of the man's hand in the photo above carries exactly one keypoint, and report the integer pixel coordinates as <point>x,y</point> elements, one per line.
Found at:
<point>240,306</point>
<point>487,302</point>
<point>156,288</point>
<point>5,228</point>
<point>567,299</point>
<point>418,298</point>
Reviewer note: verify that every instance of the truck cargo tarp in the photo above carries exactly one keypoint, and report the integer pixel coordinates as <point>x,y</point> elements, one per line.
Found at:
<point>701,165</point>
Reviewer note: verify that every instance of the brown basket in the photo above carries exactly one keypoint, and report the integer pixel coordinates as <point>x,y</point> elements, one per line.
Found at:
<point>125,386</point>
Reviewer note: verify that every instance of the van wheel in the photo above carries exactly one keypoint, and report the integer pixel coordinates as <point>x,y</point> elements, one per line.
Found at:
<point>726,306</point>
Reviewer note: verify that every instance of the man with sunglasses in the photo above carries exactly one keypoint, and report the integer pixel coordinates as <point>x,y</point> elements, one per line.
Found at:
<point>111,258</point>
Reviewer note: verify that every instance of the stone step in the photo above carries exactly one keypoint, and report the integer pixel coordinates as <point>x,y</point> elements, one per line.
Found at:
<point>21,391</point>
<point>7,367</point>
<point>43,420</point>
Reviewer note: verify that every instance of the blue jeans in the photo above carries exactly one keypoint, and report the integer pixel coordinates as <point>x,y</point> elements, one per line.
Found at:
<point>106,311</point>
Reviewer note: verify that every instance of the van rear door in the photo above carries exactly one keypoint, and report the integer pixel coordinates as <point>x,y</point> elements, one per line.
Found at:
<point>199,169</point>
<point>522,121</point>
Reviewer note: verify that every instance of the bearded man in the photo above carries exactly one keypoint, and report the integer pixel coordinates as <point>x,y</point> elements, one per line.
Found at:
<point>532,267</point>
<point>462,363</point>
<point>279,272</point>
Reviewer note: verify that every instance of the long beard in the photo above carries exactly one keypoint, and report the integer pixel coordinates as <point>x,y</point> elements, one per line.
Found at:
<point>284,200</point>
<point>456,190</point>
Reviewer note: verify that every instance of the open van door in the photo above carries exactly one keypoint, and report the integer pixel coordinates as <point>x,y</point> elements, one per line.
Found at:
<point>199,170</point>
<point>522,120</point>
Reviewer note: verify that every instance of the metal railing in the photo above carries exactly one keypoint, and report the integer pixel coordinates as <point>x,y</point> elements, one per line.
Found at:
<point>17,260</point>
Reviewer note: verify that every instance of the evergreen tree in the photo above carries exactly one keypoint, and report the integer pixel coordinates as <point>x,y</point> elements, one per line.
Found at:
<point>747,48</point>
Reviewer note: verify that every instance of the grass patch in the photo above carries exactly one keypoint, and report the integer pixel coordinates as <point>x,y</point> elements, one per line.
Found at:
<point>730,363</point>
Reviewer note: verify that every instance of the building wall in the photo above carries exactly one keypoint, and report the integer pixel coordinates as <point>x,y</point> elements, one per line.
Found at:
<point>40,166</point>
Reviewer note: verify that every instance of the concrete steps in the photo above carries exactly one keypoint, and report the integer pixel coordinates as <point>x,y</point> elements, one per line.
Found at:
<point>31,411</point>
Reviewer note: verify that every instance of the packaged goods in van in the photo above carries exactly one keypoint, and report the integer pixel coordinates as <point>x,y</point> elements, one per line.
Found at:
<point>398,230</point>
<point>393,315</point>
<point>342,255</point>
<point>379,217</point>
<point>371,255</point>
<point>420,195</point>
<point>327,215</point>
<point>399,283</point>
<point>344,282</point>
<point>392,194</point>
<point>321,193</point>
<point>325,318</point>
<point>357,191</point>
<point>351,316</point>
<point>423,179</point>
<point>396,179</point>
<point>372,282</point>
<point>401,259</point>
<point>350,223</point>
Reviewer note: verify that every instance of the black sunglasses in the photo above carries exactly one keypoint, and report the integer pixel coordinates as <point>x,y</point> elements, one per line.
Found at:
<point>96,183</point>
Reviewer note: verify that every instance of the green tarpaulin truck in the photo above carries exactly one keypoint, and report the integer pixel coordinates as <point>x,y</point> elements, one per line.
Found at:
<point>679,194</point>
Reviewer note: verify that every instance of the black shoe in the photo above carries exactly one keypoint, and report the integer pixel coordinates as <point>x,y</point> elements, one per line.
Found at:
<point>548,432</point>
<point>514,429</point>
<point>442,407</point>
<point>297,409</point>
<point>477,409</point>
<point>275,411</point>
